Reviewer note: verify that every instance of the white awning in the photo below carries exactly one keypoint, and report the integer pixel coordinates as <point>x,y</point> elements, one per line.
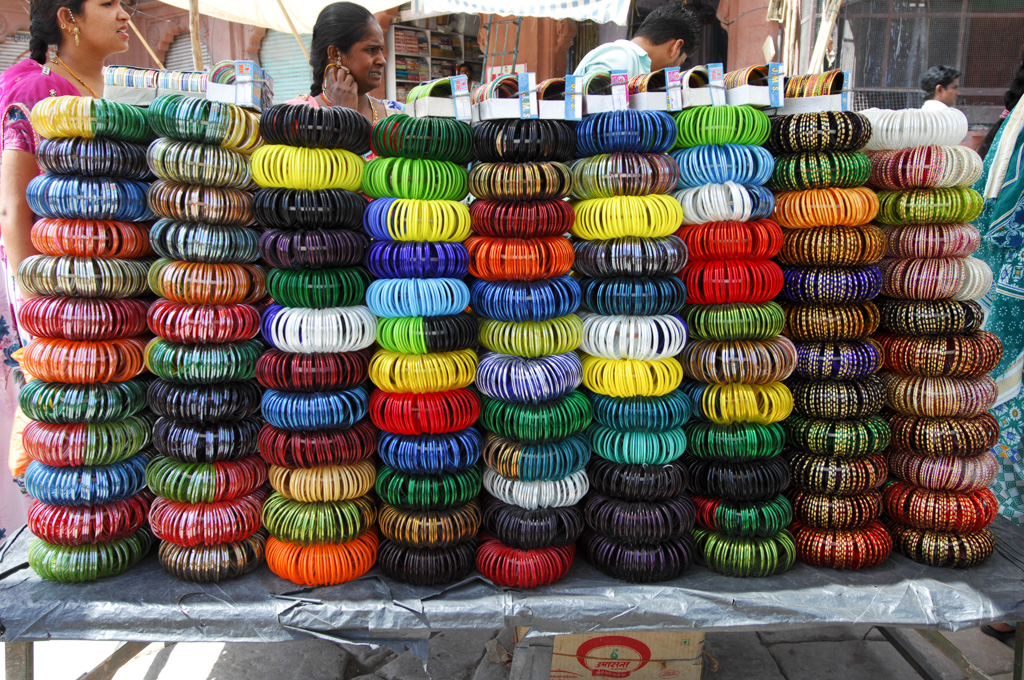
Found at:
<point>267,13</point>
<point>599,11</point>
<point>303,13</point>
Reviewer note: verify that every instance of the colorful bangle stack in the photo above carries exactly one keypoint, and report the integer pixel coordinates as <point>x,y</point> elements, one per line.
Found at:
<point>935,357</point>
<point>88,432</point>
<point>429,448</point>
<point>534,419</point>
<point>206,348</point>
<point>628,262</point>
<point>737,361</point>
<point>829,259</point>
<point>318,437</point>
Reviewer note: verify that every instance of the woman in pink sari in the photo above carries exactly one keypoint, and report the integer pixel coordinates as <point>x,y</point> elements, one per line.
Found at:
<point>83,34</point>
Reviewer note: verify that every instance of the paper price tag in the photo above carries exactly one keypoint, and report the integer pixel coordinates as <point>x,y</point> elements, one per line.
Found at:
<point>620,91</point>
<point>573,97</point>
<point>716,84</point>
<point>460,97</point>
<point>775,92</point>
<point>673,89</point>
<point>528,107</point>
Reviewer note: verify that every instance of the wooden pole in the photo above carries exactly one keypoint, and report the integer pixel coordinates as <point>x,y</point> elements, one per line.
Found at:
<point>193,23</point>
<point>146,44</point>
<point>828,22</point>
<point>287,17</point>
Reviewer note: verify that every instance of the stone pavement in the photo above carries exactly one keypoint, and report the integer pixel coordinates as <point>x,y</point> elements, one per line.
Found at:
<point>822,653</point>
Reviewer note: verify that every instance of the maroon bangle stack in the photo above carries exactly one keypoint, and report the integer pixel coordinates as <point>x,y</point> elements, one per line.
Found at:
<point>835,433</point>
<point>936,362</point>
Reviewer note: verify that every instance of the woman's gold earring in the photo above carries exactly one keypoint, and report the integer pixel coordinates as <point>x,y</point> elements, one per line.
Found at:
<point>76,36</point>
<point>63,26</point>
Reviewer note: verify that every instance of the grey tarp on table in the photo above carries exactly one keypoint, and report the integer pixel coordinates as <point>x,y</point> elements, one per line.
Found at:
<point>145,604</point>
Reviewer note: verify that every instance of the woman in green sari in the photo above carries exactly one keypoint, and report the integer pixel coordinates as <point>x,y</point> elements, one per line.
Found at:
<point>1002,246</point>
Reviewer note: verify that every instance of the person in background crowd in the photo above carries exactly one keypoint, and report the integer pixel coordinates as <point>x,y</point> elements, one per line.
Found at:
<point>466,69</point>
<point>941,84</point>
<point>664,39</point>
<point>1002,246</point>
<point>83,33</point>
<point>348,56</point>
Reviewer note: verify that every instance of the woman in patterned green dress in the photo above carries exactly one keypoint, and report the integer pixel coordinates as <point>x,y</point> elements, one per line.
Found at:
<point>1002,247</point>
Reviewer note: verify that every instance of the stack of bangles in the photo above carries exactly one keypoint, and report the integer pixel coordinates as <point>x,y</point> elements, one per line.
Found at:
<point>523,141</point>
<point>90,238</point>
<point>813,85</point>
<point>430,138</point>
<point>929,206</point>
<point>840,513</point>
<point>738,403</point>
<point>204,242</point>
<point>852,321</point>
<point>315,127</point>
<point>910,128</point>
<point>831,285</point>
<point>630,256</point>
<point>717,125</point>
<point>623,174</point>
<point>522,219</point>
<point>627,131</point>
<point>953,356</point>
<point>91,198</point>
<point>714,282</point>
<point>739,361</point>
<point>726,202</point>
<point>290,167</point>
<point>519,259</point>
<point>542,180</point>
<point>831,131</point>
<point>931,240</point>
<point>820,170</point>
<point>200,204</point>
<point>832,207</point>
<point>204,121</point>
<point>746,557</point>
<point>855,246</point>
<point>755,240</point>
<point>87,117</point>
<point>929,167</point>
<point>943,548</point>
<point>742,164</point>
<point>859,548</point>
<point>92,158</point>
<point>198,164</point>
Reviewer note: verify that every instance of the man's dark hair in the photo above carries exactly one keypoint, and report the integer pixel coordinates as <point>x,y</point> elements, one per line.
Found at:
<point>1010,100</point>
<point>467,65</point>
<point>938,75</point>
<point>671,21</point>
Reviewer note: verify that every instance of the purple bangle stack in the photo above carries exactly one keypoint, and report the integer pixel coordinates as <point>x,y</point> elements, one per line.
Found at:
<point>935,358</point>
<point>835,433</point>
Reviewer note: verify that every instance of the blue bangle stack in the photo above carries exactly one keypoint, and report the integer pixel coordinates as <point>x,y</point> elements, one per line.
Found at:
<point>426,412</point>
<point>831,265</point>
<point>638,514</point>
<point>88,432</point>
<point>318,439</point>
<point>206,472</point>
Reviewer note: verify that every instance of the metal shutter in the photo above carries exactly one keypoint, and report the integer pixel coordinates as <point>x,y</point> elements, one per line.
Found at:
<point>179,54</point>
<point>14,49</point>
<point>281,57</point>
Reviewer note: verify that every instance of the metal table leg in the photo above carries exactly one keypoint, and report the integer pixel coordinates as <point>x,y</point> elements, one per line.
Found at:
<point>1018,652</point>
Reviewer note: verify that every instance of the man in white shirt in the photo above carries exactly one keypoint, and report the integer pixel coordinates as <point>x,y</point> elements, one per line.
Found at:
<point>941,85</point>
<point>664,39</point>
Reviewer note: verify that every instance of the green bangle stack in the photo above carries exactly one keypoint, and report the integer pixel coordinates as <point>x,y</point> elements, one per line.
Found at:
<point>637,447</point>
<point>704,125</point>
<point>821,170</point>
<point>320,522</point>
<point>839,438</point>
<point>547,421</point>
<point>81,563</point>
<point>747,557</point>
<point>63,403</point>
<point>415,178</point>
<point>203,364</point>
<point>427,492</point>
<point>738,442</point>
<point>737,321</point>
<point>318,288</point>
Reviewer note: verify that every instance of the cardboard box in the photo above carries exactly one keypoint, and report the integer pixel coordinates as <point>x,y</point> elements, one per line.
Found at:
<point>768,95</point>
<point>636,656</point>
<point>838,100</point>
